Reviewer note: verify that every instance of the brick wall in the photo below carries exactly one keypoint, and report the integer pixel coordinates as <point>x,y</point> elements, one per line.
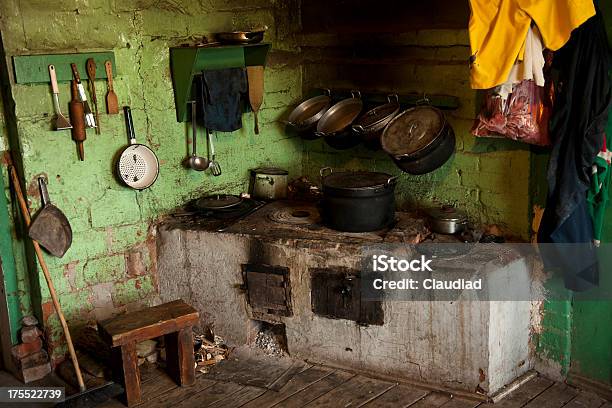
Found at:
<point>487,177</point>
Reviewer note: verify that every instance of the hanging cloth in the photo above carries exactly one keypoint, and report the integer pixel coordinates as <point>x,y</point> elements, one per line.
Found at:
<point>498,30</point>
<point>598,194</point>
<point>222,92</point>
<point>577,128</point>
<point>530,67</point>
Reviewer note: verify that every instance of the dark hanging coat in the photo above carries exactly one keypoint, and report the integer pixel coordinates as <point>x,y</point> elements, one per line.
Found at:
<point>577,134</point>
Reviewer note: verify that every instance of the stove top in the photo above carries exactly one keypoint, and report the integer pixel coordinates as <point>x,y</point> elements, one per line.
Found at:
<point>293,220</point>
<point>295,215</point>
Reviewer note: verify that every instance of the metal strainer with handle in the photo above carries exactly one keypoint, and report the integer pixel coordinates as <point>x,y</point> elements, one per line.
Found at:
<point>137,166</point>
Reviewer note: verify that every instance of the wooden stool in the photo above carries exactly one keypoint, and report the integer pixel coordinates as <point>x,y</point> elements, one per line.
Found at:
<point>174,321</point>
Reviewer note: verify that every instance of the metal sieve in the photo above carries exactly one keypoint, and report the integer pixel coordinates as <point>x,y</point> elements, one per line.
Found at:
<point>137,166</point>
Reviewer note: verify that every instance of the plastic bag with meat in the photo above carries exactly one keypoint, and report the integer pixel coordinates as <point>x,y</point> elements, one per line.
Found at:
<point>523,117</point>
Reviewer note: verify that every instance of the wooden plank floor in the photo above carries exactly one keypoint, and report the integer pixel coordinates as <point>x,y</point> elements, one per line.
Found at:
<point>238,385</point>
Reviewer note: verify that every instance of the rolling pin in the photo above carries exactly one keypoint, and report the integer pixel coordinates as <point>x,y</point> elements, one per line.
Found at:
<point>77,118</point>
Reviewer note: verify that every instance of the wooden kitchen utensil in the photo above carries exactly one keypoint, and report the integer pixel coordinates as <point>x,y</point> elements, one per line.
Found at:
<point>256,89</point>
<point>43,265</point>
<point>90,119</point>
<point>91,75</point>
<point>77,116</point>
<point>112,104</point>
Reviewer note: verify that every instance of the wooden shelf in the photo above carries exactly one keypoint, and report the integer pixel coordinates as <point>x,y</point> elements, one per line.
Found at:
<point>32,69</point>
<point>186,62</point>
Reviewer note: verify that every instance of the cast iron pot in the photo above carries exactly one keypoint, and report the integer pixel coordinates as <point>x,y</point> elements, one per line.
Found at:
<point>419,140</point>
<point>335,125</point>
<point>304,118</point>
<point>428,162</point>
<point>358,201</point>
<point>371,124</point>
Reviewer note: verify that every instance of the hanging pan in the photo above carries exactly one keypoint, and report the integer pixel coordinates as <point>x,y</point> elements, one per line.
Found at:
<point>50,227</point>
<point>137,166</point>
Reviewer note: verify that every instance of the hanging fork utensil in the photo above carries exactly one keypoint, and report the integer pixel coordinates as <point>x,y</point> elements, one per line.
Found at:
<point>215,167</point>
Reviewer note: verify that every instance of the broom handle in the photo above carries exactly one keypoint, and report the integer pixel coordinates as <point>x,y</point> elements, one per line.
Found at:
<point>43,265</point>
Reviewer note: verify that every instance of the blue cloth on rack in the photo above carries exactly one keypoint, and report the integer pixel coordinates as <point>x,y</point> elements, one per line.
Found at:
<point>222,93</point>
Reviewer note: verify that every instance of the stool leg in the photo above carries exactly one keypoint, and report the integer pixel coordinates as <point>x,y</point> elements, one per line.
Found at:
<point>125,371</point>
<point>179,356</point>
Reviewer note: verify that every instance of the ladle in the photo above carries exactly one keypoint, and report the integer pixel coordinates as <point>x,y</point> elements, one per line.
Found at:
<point>196,162</point>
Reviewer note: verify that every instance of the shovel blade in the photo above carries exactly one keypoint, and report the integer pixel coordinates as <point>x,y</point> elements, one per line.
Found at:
<point>52,230</point>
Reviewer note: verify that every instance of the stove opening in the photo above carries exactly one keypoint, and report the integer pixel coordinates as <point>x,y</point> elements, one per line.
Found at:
<point>271,338</point>
<point>300,214</point>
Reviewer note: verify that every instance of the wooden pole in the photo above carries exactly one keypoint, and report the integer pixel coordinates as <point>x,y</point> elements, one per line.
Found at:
<point>41,260</point>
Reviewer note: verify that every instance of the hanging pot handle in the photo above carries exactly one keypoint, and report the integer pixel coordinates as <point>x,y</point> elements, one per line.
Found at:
<point>355,94</point>
<point>392,180</point>
<point>358,129</point>
<point>323,170</point>
<point>423,101</point>
<point>391,97</point>
<point>129,124</point>
<point>327,92</point>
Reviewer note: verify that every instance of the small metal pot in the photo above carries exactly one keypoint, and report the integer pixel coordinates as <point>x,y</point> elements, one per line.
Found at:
<point>304,118</point>
<point>358,201</point>
<point>447,220</point>
<point>335,125</point>
<point>269,183</point>
<point>371,124</point>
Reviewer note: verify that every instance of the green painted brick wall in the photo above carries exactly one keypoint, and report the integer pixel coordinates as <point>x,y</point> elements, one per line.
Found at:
<point>110,266</point>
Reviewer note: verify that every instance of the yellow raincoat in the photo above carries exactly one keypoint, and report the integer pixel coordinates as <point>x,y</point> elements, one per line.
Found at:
<point>498,29</point>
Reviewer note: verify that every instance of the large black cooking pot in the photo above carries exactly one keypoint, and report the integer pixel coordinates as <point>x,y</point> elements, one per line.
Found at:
<point>359,201</point>
<point>419,140</point>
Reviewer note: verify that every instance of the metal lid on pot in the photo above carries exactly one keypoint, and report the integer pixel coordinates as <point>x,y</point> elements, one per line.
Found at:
<point>412,130</point>
<point>272,171</point>
<point>448,213</point>
<point>377,114</point>
<point>360,180</point>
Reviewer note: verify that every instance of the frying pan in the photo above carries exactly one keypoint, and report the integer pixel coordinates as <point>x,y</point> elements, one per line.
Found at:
<point>50,226</point>
<point>137,166</point>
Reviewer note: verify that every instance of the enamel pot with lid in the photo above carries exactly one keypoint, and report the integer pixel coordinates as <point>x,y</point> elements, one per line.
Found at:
<point>335,124</point>
<point>269,183</point>
<point>358,201</point>
<point>419,140</point>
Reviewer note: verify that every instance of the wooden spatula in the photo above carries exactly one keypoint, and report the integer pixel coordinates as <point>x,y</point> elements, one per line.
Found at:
<point>256,90</point>
<point>112,104</point>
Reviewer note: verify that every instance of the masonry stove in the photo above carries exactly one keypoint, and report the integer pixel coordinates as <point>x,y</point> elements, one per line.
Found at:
<point>281,266</point>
